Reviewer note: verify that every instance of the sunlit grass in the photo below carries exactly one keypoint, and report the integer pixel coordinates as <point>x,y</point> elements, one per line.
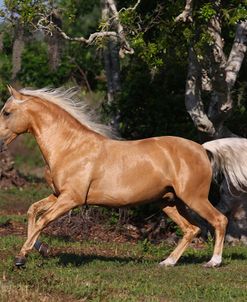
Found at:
<point>97,271</point>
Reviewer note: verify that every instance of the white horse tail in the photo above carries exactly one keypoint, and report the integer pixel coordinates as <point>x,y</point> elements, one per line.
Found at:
<point>229,157</point>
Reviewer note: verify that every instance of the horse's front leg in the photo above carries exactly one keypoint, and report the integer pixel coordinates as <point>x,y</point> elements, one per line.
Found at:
<point>37,207</point>
<point>34,210</point>
<point>65,202</point>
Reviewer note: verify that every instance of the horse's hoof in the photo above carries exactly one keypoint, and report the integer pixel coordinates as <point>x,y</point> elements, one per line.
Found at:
<point>20,261</point>
<point>211,264</point>
<point>167,262</point>
<point>42,248</point>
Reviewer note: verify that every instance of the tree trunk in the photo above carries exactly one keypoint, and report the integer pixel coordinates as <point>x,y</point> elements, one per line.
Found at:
<point>111,62</point>
<point>111,58</point>
<point>112,69</point>
<point>18,48</point>
<point>216,74</point>
<point>1,41</point>
<point>54,46</point>
<point>53,51</point>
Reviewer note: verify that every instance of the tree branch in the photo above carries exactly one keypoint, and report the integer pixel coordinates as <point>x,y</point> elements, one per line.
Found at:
<point>132,7</point>
<point>237,54</point>
<point>186,15</point>
<point>46,24</point>
<point>225,71</point>
<point>124,45</point>
<point>214,30</point>
<point>92,38</point>
<point>221,101</point>
<point>193,102</point>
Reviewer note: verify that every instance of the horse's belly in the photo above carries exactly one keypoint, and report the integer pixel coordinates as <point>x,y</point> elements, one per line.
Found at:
<point>118,195</point>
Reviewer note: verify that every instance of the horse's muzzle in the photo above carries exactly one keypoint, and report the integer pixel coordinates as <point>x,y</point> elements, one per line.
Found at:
<point>3,146</point>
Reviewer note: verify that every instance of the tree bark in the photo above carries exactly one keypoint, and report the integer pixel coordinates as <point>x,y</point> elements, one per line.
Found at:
<point>220,83</point>
<point>54,43</point>
<point>112,69</point>
<point>186,15</point>
<point>1,41</point>
<point>111,61</point>
<point>18,48</point>
<point>237,54</point>
<point>193,101</point>
<point>111,58</point>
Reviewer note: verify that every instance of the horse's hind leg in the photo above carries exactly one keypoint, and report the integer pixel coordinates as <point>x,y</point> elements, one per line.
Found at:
<point>180,216</point>
<point>205,209</point>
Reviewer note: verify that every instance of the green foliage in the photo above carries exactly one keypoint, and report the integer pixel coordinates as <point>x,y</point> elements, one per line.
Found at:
<point>5,63</point>
<point>5,71</point>
<point>80,18</point>
<point>70,10</point>
<point>155,107</point>
<point>26,9</point>
<point>207,11</point>
<point>236,13</point>
<point>188,34</point>
<point>151,101</point>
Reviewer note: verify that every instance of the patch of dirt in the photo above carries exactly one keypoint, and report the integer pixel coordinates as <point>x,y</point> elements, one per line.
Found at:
<point>94,225</point>
<point>78,227</point>
<point>75,228</point>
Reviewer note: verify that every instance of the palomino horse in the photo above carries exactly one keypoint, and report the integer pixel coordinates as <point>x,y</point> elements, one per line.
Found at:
<point>85,166</point>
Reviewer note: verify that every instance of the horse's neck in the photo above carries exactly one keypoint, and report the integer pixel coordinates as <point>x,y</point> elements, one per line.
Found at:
<point>59,136</point>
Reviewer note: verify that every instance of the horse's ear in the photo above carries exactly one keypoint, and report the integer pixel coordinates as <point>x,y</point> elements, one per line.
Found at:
<point>16,95</point>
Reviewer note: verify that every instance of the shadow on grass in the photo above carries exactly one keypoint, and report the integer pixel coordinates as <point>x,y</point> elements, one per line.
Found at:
<point>192,259</point>
<point>66,259</point>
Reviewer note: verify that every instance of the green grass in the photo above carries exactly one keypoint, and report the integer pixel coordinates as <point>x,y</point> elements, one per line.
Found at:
<point>19,199</point>
<point>97,271</point>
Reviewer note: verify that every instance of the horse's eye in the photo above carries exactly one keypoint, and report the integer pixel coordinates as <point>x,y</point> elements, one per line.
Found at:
<point>6,113</point>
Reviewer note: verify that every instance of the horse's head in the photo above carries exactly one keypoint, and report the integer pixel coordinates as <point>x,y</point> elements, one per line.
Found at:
<point>13,118</point>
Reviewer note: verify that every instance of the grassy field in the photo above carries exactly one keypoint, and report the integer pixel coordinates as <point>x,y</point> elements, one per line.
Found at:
<point>110,271</point>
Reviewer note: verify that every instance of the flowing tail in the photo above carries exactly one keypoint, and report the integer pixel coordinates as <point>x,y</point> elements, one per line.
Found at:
<point>229,157</point>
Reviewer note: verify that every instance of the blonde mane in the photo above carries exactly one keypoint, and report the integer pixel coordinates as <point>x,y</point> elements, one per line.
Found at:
<point>76,108</point>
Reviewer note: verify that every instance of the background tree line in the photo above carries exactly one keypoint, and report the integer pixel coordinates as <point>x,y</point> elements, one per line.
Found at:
<point>147,90</point>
